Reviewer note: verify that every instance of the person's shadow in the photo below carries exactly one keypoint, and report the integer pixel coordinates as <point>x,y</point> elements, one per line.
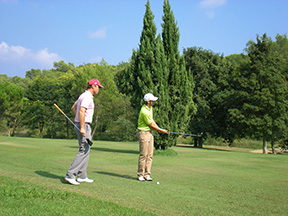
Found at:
<point>115,175</point>
<point>50,175</point>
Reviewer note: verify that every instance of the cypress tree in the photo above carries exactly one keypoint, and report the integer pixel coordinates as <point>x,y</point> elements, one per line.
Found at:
<point>180,85</point>
<point>140,74</point>
<point>157,67</point>
<point>162,106</point>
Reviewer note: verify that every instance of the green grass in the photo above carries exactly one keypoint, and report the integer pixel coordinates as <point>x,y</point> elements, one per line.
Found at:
<point>192,181</point>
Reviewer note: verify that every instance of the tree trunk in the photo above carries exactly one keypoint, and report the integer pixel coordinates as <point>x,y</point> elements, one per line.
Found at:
<point>9,132</point>
<point>16,124</point>
<point>41,128</point>
<point>273,148</point>
<point>264,145</point>
<point>195,142</point>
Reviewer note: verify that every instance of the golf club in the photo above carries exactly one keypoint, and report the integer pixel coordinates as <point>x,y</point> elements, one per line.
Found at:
<point>88,140</point>
<point>186,134</point>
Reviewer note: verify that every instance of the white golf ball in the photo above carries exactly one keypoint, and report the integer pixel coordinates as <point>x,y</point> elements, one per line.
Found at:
<point>158,183</point>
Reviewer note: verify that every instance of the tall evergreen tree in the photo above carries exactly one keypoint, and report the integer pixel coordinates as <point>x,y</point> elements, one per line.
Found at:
<point>180,85</point>
<point>157,67</point>
<point>162,106</point>
<point>140,74</point>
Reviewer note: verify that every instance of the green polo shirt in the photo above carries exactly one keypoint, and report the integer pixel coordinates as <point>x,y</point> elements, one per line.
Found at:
<point>145,118</point>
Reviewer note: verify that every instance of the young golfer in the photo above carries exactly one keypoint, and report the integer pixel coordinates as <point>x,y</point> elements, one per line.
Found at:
<point>83,109</point>
<point>146,138</point>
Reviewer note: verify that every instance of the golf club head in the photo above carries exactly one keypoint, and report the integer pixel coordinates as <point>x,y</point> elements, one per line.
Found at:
<point>89,142</point>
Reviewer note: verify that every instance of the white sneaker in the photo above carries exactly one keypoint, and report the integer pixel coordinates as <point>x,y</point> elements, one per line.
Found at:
<point>71,181</point>
<point>148,178</point>
<point>141,178</point>
<point>85,180</point>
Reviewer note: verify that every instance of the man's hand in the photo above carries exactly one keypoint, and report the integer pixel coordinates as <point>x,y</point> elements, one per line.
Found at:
<point>154,126</point>
<point>83,132</point>
<point>165,131</point>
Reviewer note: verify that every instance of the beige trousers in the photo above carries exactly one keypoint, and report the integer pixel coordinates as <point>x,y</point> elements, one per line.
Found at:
<point>146,147</point>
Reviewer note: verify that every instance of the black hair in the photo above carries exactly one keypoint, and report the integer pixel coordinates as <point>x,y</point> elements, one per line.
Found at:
<point>89,86</point>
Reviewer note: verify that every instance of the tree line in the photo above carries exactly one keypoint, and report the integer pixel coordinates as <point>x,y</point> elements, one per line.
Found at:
<point>241,95</point>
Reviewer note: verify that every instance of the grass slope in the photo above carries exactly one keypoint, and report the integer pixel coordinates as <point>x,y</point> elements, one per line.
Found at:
<point>192,181</point>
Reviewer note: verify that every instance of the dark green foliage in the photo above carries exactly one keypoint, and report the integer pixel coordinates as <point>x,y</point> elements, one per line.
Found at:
<point>12,101</point>
<point>39,112</point>
<point>262,94</point>
<point>211,75</point>
<point>162,107</point>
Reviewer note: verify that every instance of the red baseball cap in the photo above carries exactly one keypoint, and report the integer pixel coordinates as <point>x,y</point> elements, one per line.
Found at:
<point>95,81</point>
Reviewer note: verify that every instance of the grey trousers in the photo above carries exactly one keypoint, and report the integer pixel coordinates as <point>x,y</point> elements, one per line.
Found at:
<point>79,165</point>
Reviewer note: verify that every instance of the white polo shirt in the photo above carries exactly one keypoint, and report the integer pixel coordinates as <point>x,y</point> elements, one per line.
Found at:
<point>85,100</point>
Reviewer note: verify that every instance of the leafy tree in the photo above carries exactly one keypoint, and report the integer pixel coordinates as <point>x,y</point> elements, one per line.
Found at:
<point>110,105</point>
<point>237,60</point>
<point>12,102</point>
<point>280,46</point>
<point>63,67</point>
<point>33,73</point>
<point>4,78</point>
<point>211,74</point>
<point>42,93</point>
<point>261,94</point>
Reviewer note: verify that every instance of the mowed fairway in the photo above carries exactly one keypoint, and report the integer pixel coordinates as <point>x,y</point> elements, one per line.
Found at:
<point>195,182</point>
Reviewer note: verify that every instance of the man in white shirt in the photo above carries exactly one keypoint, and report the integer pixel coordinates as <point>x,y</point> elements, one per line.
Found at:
<point>83,109</point>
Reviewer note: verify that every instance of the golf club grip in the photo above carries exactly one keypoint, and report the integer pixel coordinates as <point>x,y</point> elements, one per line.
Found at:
<point>59,109</point>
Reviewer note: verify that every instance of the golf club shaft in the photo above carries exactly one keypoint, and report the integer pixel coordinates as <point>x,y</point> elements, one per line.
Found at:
<point>88,140</point>
<point>66,117</point>
<point>187,134</point>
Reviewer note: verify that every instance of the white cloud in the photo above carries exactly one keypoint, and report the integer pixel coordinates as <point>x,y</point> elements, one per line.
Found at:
<point>212,3</point>
<point>211,14</point>
<point>22,56</point>
<point>100,33</point>
<point>210,6</point>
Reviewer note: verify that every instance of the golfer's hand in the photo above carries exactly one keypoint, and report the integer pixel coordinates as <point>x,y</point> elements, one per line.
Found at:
<point>83,132</point>
<point>165,131</point>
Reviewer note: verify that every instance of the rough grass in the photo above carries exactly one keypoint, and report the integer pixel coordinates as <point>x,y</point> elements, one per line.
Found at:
<point>193,182</point>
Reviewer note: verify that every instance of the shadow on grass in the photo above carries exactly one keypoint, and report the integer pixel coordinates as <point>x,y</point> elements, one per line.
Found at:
<point>110,150</point>
<point>115,150</point>
<point>204,148</point>
<point>116,175</point>
<point>50,175</point>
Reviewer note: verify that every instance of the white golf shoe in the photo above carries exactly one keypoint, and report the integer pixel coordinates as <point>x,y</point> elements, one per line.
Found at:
<point>71,181</point>
<point>148,178</point>
<point>141,178</point>
<point>85,180</point>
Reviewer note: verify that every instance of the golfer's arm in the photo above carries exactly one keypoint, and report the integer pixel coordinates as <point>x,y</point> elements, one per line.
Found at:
<point>154,126</point>
<point>74,108</point>
<point>82,117</point>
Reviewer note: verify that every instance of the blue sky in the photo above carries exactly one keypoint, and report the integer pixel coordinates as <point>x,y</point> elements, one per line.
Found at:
<point>36,33</point>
